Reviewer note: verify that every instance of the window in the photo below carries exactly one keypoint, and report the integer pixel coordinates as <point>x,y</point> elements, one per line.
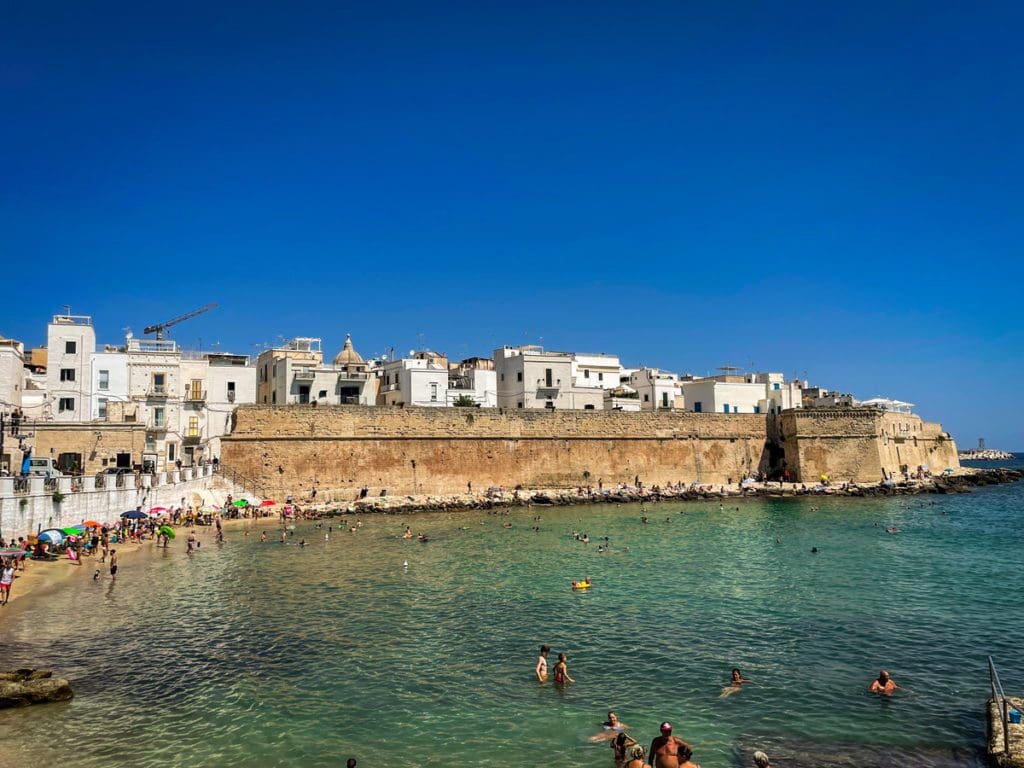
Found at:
<point>150,444</point>
<point>70,347</point>
<point>725,408</point>
<point>273,397</point>
<point>697,407</point>
<point>647,398</point>
<point>170,451</point>
<point>547,377</point>
<point>588,407</point>
<point>66,404</point>
<point>322,395</point>
<point>196,392</point>
<point>776,385</point>
<point>158,417</point>
<point>159,381</point>
<point>757,409</point>
<point>193,426</point>
<point>519,405</point>
<point>519,376</point>
<point>503,377</point>
<point>600,376</point>
<point>433,391</point>
<point>586,374</point>
<point>231,389</point>
<point>101,411</point>
<point>664,399</point>
<point>67,374</point>
<point>104,379</point>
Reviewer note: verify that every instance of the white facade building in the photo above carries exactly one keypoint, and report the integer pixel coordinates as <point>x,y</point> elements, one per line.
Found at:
<point>420,380</point>
<point>478,384</point>
<point>71,342</point>
<point>753,393</point>
<point>12,375</point>
<point>529,377</point>
<point>657,389</point>
<point>109,381</point>
<point>596,370</point>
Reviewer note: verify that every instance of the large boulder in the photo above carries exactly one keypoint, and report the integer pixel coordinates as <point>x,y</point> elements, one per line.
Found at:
<point>22,687</point>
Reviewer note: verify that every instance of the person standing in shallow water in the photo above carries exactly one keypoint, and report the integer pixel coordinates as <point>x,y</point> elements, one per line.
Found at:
<point>562,670</point>
<point>541,670</point>
<point>667,749</point>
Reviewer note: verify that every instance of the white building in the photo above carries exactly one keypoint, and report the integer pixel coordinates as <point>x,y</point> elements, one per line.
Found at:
<point>596,370</point>
<point>622,398</point>
<point>156,390</point>
<point>71,342</point>
<point>473,379</point>
<point>12,375</point>
<point>109,380</point>
<point>656,389</point>
<point>752,393</point>
<point>529,377</point>
<point>419,380</point>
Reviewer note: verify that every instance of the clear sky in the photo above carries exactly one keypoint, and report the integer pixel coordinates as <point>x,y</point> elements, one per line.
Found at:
<point>829,190</point>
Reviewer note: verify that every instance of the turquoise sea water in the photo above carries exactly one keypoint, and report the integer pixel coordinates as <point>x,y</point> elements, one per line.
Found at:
<point>269,655</point>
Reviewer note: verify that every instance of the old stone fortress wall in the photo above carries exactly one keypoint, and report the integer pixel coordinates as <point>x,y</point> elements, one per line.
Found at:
<point>439,450</point>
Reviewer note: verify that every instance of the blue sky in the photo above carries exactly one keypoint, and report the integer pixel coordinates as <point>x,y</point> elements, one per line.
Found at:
<point>830,191</point>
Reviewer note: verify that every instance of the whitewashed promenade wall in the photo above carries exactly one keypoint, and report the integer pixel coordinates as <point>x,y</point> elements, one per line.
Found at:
<point>27,505</point>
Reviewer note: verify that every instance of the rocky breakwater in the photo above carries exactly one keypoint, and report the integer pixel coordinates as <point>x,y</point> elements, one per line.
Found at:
<point>987,454</point>
<point>23,687</point>
<point>945,484</point>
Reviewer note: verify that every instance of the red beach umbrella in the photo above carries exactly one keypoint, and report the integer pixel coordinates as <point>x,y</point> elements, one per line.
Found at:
<point>268,503</point>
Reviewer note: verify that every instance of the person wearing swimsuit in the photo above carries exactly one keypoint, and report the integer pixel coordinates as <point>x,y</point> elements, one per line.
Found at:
<point>562,671</point>
<point>541,670</point>
<point>636,758</point>
<point>666,749</point>
<point>884,684</point>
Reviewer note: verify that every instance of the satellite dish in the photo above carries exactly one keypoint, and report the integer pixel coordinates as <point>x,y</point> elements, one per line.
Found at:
<point>412,353</point>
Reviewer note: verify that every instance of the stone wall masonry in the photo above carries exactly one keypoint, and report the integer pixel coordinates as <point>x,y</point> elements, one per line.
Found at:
<point>861,443</point>
<point>433,450</point>
<point>24,513</point>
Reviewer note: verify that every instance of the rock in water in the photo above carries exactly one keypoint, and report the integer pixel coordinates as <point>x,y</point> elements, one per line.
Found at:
<point>22,687</point>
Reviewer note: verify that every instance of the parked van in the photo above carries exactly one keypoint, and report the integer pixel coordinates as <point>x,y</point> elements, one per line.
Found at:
<point>44,467</point>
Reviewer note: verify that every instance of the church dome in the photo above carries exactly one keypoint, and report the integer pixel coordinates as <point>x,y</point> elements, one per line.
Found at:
<point>348,355</point>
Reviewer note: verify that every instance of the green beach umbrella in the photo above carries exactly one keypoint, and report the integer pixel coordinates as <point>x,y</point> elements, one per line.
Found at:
<point>240,503</point>
<point>167,531</point>
<point>73,530</point>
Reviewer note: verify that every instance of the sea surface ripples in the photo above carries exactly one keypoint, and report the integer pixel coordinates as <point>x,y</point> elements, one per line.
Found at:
<point>262,654</point>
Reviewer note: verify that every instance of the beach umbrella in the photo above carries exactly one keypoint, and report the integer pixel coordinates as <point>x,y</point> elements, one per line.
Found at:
<point>209,510</point>
<point>268,503</point>
<point>158,510</point>
<point>240,503</point>
<point>167,531</point>
<point>73,530</point>
<point>134,514</point>
<point>92,524</point>
<point>53,536</point>
<point>12,552</point>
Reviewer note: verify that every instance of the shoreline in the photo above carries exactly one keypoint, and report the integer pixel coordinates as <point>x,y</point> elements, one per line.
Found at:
<point>41,578</point>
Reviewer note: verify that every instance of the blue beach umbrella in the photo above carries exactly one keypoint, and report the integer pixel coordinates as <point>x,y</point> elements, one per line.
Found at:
<point>53,536</point>
<point>134,514</point>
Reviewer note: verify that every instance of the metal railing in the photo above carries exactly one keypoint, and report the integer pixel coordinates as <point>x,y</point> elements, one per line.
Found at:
<point>101,482</point>
<point>245,483</point>
<point>50,484</point>
<point>1002,702</point>
<point>21,485</point>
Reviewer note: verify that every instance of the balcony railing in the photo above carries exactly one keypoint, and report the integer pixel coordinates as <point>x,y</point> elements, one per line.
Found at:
<point>160,425</point>
<point>555,384</point>
<point>195,396</point>
<point>157,392</point>
<point>353,376</point>
<point>390,387</point>
<point>231,395</point>
<point>305,374</point>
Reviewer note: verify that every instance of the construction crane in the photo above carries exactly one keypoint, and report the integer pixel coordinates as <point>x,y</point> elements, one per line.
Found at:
<point>159,328</point>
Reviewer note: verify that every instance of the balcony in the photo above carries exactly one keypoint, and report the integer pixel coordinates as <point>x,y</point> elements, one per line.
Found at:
<point>231,395</point>
<point>192,438</point>
<point>305,374</point>
<point>153,424</point>
<point>555,384</point>
<point>195,396</point>
<point>157,393</point>
<point>390,387</point>
<point>353,376</point>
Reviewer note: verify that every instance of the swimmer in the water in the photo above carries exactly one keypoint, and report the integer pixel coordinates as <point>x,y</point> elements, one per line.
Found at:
<point>610,728</point>
<point>884,684</point>
<point>541,670</point>
<point>562,670</point>
<point>735,685</point>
